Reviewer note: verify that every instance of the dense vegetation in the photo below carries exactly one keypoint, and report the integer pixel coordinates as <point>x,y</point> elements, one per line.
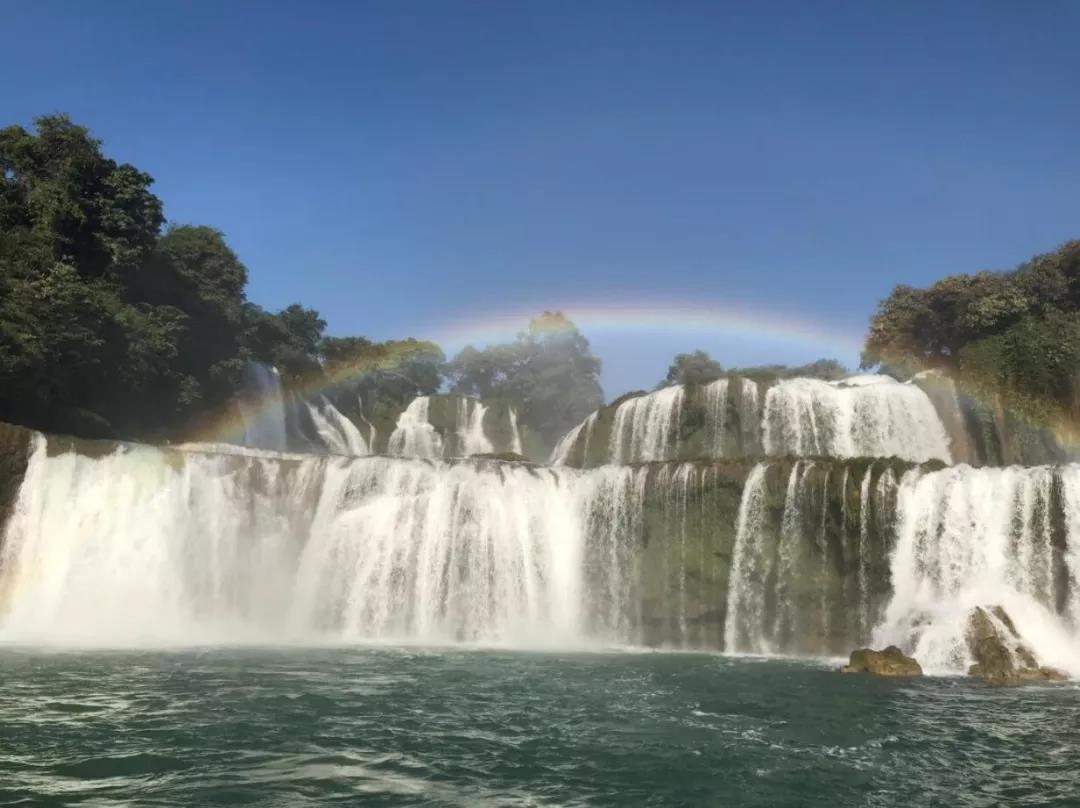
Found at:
<point>1016,333</point>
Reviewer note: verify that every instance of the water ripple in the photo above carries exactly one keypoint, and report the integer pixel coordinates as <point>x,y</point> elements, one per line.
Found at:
<point>294,727</point>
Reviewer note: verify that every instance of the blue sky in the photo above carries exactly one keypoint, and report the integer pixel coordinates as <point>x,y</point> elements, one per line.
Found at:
<point>400,166</point>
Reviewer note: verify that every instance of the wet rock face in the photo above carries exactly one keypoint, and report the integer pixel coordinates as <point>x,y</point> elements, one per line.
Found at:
<point>14,454</point>
<point>1000,655</point>
<point>890,662</point>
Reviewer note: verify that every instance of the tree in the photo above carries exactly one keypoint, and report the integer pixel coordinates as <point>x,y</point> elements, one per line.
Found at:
<point>548,374</point>
<point>385,376</point>
<point>692,368</point>
<point>107,326</point>
<point>73,225</point>
<point>1013,332</point>
<point>77,206</point>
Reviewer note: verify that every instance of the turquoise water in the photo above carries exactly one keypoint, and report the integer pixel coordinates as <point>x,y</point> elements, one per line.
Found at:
<point>290,727</point>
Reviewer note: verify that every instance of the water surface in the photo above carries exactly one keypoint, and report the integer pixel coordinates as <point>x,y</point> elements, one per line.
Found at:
<point>379,726</point>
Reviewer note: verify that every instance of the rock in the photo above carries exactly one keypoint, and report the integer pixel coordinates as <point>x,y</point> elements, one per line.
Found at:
<point>15,443</point>
<point>1001,658</point>
<point>890,662</point>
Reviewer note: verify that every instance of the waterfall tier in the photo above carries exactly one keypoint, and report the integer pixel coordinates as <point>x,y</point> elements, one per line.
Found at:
<point>864,416</point>
<point>123,544</point>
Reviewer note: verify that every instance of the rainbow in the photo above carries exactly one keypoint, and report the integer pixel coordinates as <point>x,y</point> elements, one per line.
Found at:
<point>696,318</point>
<point>686,318</point>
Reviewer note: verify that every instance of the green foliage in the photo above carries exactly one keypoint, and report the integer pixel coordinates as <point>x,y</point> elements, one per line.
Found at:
<point>1010,332</point>
<point>548,374</point>
<point>692,368</point>
<point>110,327</point>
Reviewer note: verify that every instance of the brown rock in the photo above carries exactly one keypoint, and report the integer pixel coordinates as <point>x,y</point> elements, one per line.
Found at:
<point>890,662</point>
<point>1001,658</point>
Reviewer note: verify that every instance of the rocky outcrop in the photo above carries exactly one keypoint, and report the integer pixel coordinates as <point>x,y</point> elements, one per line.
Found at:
<point>1001,657</point>
<point>983,431</point>
<point>14,454</point>
<point>890,662</point>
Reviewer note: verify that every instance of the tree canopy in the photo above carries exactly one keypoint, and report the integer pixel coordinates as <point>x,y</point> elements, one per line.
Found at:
<point>692,368</point>
<point>548,373</point>
<point>1015,332</point>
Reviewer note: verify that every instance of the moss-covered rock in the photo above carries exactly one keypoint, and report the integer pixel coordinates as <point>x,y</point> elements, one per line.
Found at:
<point>15,442</point>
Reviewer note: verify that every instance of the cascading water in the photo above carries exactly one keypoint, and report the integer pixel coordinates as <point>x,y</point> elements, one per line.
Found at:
<point>749,570</point>
<point>406,550</point>
<point>335,430</point>
<point>611,501</point>
<point>567,445</point>
<point>870,416</point>
<point>646,427</point>
<point>805,556</point>
<point>984,537</point>
<point>1070,487</point>
<point>262,406</point>
<point>470,428</point>
<point>150,545</point>
<point>716,405</point>
<point>515,433</point>
<point>727,436</point>
<point>414,436</point>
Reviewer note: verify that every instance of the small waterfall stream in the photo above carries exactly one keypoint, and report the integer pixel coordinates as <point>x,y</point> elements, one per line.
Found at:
<point>262,407</point>
<point>335,430</point>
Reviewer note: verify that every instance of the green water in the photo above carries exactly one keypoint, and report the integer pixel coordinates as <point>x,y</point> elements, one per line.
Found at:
<point>291,727</point>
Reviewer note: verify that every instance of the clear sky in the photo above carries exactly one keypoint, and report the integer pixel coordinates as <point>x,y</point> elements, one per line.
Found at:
<point>410,168</point>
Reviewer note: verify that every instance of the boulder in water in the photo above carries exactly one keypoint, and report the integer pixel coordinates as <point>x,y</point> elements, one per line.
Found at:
<point>890,662</point>
<point>1001,658</point>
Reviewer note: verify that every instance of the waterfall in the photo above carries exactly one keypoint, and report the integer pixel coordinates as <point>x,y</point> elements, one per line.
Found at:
<point>151,545</point>
<point>646,427</point>
<point>515,433</point>
<point>1070,486</point>
<point>148,545</point>
<point>338,433</point>
<point>860,417</point>
<point>470,427</point>
<point>560,456</point>
<point>612,502</point>
<point>982,537</point>
<point>716,402</point>
<point>414,436</point>
<point>748,407</point>
<point>263,409</point>
<point>746,588</point>
<point>408,550</point>
<point>862,552</point>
